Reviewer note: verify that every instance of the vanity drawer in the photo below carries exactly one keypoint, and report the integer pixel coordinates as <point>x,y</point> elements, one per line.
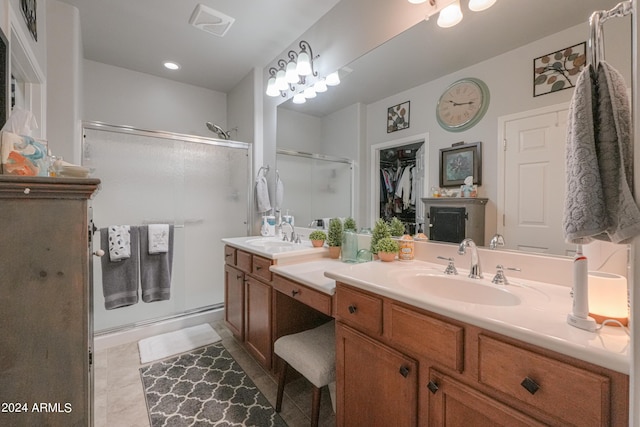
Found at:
<point>314,299</point>
<point>360,310</point>
<point>440,341</point>
<point>260,268</point>
<point>229,255</point>
<point>243,261</point>
<point>572,395</point>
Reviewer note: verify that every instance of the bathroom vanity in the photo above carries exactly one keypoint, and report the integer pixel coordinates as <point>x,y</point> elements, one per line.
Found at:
<point>417,347</point>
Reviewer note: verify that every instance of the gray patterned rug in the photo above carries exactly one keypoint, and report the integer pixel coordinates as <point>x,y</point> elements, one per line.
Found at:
<point>205,387</point>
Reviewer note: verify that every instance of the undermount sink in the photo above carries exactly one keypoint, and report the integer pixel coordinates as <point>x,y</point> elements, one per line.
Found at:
<point>458,289</point>
<point>269,242</point>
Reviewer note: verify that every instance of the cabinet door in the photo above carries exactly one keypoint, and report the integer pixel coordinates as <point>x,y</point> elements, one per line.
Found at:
<point>234,301</point>
<point>376,385</point>
<point>258,320</point>
<point>453,404</point>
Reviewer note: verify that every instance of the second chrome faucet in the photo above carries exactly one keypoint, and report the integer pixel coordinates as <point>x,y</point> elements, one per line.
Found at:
<point>475,272</point>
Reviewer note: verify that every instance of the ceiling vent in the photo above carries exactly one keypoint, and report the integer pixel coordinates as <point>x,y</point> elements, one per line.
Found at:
<point>211,20</point>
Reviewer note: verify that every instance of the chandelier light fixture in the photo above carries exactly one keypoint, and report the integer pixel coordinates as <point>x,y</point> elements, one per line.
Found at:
<point>297,75</point>
<point>451,14</point>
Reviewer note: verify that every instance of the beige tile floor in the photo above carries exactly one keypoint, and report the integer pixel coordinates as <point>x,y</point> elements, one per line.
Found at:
<point>119,398</point>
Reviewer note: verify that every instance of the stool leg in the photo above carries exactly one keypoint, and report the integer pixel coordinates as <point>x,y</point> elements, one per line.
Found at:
<point>281,381</point>
<point>315,407</point>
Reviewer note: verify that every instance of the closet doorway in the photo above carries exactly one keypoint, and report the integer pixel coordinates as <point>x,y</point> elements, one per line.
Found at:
<point>398,177</point>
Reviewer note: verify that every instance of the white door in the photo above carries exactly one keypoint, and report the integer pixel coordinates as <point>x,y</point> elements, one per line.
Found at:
<point>533,181</point>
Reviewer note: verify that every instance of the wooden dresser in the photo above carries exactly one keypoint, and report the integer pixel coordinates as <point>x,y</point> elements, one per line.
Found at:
<point>45,298</point>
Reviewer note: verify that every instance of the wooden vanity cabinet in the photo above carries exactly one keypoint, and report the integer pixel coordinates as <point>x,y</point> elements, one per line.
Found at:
<point>248,302</point>
<point>458,374</point>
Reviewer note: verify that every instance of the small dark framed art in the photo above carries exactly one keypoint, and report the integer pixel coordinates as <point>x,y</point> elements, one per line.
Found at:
<point>398,117</point>
<point>459,162</point>
<point>29,12</point>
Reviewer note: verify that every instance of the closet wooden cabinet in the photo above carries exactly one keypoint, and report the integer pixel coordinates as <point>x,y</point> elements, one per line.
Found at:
<point>248,302</point>
<point>46,334</point>
<point>400,365</point>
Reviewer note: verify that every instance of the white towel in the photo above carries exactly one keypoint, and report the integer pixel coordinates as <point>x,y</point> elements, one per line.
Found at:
<point>158,238</point>
<point>119,242</point>
<point>262,194</point>
<point>279,192</point>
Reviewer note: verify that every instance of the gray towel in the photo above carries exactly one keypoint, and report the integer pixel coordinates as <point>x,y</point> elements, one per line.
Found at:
<point>584,209</point>
<point>155,269</point>
<point>599,200</point>
<point>119,279</point>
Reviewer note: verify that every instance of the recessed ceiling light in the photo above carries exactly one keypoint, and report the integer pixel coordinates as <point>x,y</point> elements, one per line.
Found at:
<point>172,65</point>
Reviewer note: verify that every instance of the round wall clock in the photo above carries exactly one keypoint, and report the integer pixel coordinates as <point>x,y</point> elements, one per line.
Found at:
<point>462,104</point>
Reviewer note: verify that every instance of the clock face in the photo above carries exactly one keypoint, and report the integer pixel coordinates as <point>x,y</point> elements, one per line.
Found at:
<point>462,104</point>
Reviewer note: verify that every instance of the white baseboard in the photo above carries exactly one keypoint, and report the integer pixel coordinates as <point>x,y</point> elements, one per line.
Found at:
<point>135,334</point>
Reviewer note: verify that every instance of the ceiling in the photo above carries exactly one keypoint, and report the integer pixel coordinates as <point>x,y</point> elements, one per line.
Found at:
<point>141,34</point>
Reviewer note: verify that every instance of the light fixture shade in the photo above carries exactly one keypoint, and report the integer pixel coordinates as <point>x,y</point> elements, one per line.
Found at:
<point>450,15</point>
<point>272,90</point>
<point>291,75</point>
<point>304,64</point>
<point>608,297</point>
<point>281,81</point>
<point>333,79</point>
<point>309,93</point>
<point>320,86</point>
<point>480,5</point>
<point>299,98</point>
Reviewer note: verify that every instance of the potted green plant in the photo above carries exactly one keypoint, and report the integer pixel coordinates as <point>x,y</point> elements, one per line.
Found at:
<point>350,224</point>
<point>317,238</point>
<point>396,227</point>
<point>387,249</point>
<point>334,237</point>
<point>380,230</point>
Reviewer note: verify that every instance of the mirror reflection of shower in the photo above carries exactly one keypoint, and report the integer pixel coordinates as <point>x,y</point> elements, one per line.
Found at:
<point>222,134</point>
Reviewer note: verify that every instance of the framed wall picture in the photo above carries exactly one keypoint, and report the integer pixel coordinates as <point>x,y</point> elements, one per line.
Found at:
<point>558,70</point>
<point>398,117</point>
<point>29,12</point>
<point>459,162</point>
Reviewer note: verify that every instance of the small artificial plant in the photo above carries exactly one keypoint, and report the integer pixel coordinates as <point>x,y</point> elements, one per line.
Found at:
<point>350,224</point>
<point>388,245</point>
<point>397,227</point>
<point>335,232</point>
<point>318,235</point>
<point>380,231</point>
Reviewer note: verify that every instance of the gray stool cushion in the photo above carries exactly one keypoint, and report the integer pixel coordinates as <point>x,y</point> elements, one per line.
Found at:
<point>312,353</point>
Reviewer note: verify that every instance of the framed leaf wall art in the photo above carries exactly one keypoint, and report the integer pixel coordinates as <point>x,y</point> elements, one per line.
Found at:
<point>558,70</point>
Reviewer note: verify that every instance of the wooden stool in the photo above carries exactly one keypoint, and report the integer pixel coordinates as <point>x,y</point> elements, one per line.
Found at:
<point>313,354</point>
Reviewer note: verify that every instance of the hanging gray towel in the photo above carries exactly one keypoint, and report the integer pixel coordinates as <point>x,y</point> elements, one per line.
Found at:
<point>615,156</point>
<point>119,279</point>
<point>155,269</point>
<point>584,209</point>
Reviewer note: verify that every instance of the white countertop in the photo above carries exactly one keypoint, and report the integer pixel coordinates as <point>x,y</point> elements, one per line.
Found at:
<point>274,248</point>
<point>539,319</point>
<point>312,273</point>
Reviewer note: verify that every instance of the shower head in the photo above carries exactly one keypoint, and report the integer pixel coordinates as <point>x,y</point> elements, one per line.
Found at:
<point>222,134</point>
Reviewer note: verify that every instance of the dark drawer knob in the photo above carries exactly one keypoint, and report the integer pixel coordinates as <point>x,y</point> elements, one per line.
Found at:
<point>239,276</point>
<point>258,267</point>
<point>404,371</point>
<point>433,387</point>
<point>294,293</point>
<point>227,255</point>
<point>530,385</point>
<point>352,309</point>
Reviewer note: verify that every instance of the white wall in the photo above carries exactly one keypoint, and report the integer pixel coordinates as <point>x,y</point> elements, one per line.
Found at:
<point>240,110</point>
<point>122,97</point>
<point>299,132</point>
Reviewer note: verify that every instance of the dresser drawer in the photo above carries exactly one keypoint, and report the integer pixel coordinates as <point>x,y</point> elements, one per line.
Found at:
<point>230,255</point>
<point>260,268</point>
<point>357,309</point>
<point>306,295</point>
<point>243,261</point>
<point>572,395</point>
<point>440,341</point>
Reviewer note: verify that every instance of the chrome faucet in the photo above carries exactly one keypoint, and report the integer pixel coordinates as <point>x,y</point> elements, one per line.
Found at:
<point>496,240</point>
<point>294,238</point>
<point>475,272</point>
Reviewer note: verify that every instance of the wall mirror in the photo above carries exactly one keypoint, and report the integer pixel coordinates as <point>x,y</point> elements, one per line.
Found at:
<point>424,54</point>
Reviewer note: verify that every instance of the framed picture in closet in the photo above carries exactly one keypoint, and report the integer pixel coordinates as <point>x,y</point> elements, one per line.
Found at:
<point>398,117</point>
<point>459,162</point>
